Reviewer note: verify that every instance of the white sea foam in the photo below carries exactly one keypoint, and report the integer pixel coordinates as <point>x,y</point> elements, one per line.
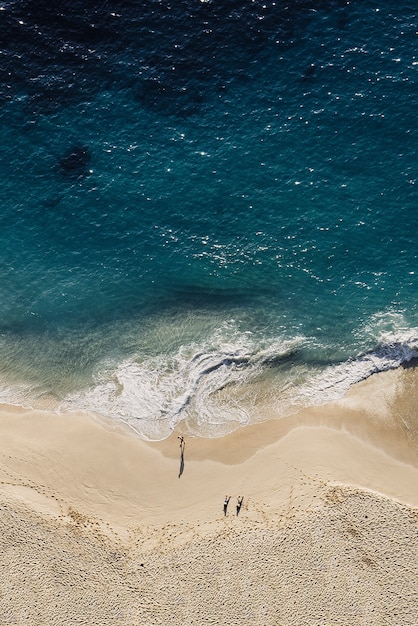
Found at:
<point>224,379</point>
<point>394,349</point>
<point>14,394</point>
<point>152,395</point>
<point>206,385</point>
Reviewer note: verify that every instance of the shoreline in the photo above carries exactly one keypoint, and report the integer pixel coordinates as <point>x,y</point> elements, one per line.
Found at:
<point>87,488</point>
<point>371,420</point>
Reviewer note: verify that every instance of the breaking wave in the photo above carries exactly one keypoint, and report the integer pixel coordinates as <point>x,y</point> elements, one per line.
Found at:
<point>214,388</point>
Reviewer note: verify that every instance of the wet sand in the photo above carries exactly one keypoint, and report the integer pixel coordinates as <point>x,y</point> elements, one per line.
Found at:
<point>97,527</point>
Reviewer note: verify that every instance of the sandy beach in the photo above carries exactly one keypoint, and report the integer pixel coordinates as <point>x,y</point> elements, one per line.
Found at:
<point>100,527</point>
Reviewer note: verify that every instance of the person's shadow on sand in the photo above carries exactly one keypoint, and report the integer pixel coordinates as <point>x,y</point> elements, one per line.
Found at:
<point>182,446</point>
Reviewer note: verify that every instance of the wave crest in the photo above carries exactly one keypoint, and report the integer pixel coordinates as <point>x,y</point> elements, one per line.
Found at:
<point>154,394</point>
<point>334,382</point>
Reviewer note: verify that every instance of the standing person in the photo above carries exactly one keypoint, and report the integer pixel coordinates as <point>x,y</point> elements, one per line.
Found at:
<point>239,503</point>
<point>226,502</point>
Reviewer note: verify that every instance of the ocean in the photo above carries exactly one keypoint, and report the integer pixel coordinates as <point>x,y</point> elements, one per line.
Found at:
<point>208,208</point>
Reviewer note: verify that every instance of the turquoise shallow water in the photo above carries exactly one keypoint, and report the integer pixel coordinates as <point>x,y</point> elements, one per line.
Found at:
<point>208,213</point>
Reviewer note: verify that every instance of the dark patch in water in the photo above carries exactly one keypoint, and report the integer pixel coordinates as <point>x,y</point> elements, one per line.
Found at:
<point>74,163</point>
<point>310,71</point>
<point>169,97</point>
<point>171,54</point>
<point>199,294</point>
<point>52,203</point>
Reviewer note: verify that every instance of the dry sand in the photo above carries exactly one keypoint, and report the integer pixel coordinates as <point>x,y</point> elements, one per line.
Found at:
<point>98,528</point>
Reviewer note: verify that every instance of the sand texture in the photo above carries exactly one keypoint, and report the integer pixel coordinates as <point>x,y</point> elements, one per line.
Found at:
<point>97,527</point>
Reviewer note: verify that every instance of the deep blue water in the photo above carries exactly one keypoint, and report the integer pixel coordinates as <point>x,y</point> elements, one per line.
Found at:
<point>208,209</point>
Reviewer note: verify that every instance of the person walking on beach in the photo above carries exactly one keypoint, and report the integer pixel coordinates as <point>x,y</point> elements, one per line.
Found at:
<point>226,502</point>
<point>239,503</point>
